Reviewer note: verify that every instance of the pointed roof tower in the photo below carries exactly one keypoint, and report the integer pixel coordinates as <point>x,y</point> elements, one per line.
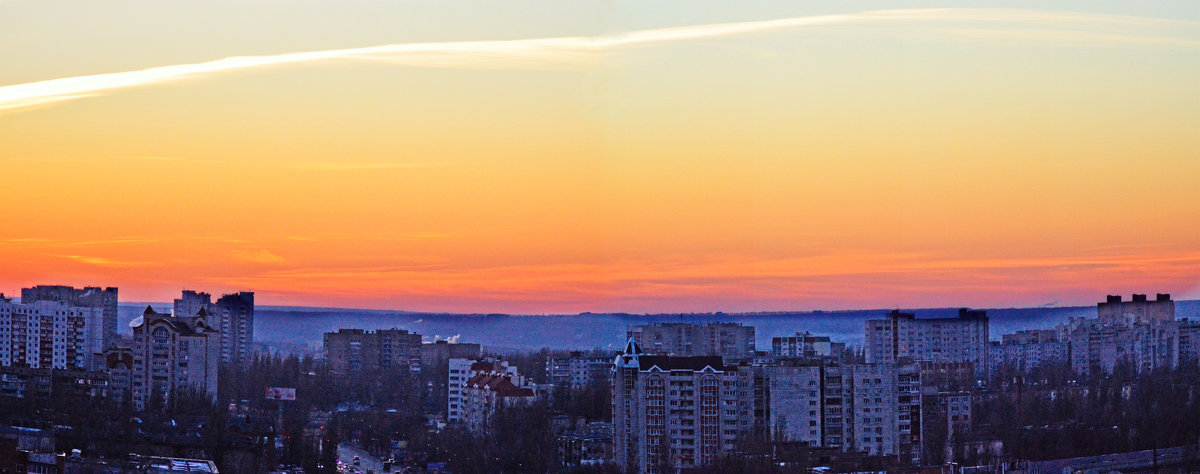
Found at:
<point>629,357</point>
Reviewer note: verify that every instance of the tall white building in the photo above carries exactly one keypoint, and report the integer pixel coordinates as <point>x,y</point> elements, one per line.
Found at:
<point>874,408</point>
<point>173,354</point>
<point>104,299</point>
<point>729,340</point>
<point>672,413</point>
<point>941,340</point>
<point>50,335</point>
<point>461,371</point>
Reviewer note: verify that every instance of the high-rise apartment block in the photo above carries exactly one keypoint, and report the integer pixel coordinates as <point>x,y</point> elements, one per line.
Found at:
<point>436,353</point>
<point>1139,332</point>
<point>872,408</point>
<point>50,334</point>
<point>1097,347</point>
<point>1028,350</point>
<point>805,345</point>
<point>232,315</point>
<point>578,370</point>
<point>1115,311</point>
<point>732,341</point>
<point>173,354</point>
<point>356,350</point>
<point>104,299</point>
<point>674,412</point>
<point>943,340</point>
<point>1189,340</point>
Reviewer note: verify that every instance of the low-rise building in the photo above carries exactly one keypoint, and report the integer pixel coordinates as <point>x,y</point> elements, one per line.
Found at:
<point>590,445</point>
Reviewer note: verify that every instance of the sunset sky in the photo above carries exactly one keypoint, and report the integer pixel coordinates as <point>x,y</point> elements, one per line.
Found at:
<point>643,156</point>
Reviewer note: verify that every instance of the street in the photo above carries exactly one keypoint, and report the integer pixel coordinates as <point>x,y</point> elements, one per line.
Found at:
<point>346,454</point>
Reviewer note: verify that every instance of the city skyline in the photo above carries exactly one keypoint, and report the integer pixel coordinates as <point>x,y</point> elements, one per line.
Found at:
<point>604,156</point>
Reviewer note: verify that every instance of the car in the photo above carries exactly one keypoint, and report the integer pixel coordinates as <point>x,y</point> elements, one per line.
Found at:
<point>357,461</point>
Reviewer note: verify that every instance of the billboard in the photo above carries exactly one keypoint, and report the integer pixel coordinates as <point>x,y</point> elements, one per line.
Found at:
<point>281,393</point>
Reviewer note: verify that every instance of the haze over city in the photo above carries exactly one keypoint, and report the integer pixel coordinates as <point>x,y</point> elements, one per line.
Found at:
<point>542,157</point>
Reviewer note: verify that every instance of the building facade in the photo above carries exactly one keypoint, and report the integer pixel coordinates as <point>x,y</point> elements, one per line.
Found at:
<point>674,412</point>
<point>173,354</point>
<point>871,408</point>
<point>232,315</point>
<point>434,354</point>
<point>356,350</point>
<point>104,299</point>
<point>1114,311</point>
<point>963,339</point>
<point>462,370</point>
<point>1026,351</point>
<point>487,391</point>
<point>805,345</point>
<point>577,370</point>
<point>50,334</point>
<point>731,341</point>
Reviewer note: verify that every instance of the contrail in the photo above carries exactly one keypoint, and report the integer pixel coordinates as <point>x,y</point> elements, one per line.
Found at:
<point>573,50</point>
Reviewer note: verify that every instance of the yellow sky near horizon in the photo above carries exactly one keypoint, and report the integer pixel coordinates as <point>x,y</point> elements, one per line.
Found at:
<point>869,163</point>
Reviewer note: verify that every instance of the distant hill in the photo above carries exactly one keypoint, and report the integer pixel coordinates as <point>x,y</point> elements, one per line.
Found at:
<point>303,325</point>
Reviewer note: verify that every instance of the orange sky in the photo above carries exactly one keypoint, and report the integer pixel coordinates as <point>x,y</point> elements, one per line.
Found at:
<point>898,159</point>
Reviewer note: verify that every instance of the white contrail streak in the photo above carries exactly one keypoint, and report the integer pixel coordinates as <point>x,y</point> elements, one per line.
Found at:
<point>581,50</point>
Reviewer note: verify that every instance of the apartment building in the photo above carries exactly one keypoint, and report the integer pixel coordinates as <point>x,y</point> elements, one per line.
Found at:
<point>103,299</point>
<point>963,339</point>
<point>1028,350</point>
<point>489,390</point>
<point>232,315</point>
<point>1114,311</point>
<point>731,341</point>
<point>50,334</point>
<point>462,370</point>
<point>1097,347</point>
<point>173,354</point>
<point>805,345</point>
<point>356,350</point>
<point>1189,340</point>
<point>434,354</point>
<point>872,408</point>
<point>674,412</point>
<point>577,370</point>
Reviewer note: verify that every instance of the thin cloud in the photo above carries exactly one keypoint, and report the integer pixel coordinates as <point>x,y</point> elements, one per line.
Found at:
<point>258,256</point>
<point>550,52</point>
<point>364,166</point>
<point>104,262</point>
